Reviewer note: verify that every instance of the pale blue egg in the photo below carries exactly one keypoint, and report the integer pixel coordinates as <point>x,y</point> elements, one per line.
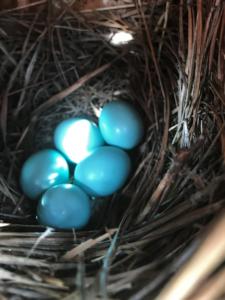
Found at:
<point>104,172</point>
<point>121,125</point>
<point>41,171</point>
<point>64,206</point>
<point>76,138</point>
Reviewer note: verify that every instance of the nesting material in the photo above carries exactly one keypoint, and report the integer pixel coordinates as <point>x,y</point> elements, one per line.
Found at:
<point>57,64</point>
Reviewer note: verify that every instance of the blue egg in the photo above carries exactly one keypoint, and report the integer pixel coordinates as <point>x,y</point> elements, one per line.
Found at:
<point>64,206</point>
<point>121,125</point>
<point>103,172</point>
<point>76,138</point>
<point>41,171</point>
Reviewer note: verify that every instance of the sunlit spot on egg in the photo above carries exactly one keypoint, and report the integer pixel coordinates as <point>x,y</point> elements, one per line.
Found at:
<point>76,138</point>
<point>60,162</point>
<point>52,177</point>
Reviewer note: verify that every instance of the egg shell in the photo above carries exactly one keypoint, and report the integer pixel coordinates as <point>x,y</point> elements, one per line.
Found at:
<point>76,138</point>
<point>64,206</point>
<point>104,172</point>
<point>121,125</point>
<point>41,171</point>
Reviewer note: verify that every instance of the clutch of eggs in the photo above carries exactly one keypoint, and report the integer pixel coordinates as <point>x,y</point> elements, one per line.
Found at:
<point>102,165</point>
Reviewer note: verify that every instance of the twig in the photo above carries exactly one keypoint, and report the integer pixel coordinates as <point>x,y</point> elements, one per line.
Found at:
<point>212,251</point>
<point>176,166</point>
<point>108,8</point>
<point>213,289</point>
<point>23,7</point>
<point>71,254</point>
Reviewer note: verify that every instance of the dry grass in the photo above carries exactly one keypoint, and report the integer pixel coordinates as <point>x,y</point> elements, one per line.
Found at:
<point>60,64</point>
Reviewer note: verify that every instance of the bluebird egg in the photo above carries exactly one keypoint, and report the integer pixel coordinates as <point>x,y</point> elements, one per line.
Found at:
<point>103,172</point>
<point>121,125</point>
<point>76,138</point>
<point>41,171</point>
<point>64,206</point>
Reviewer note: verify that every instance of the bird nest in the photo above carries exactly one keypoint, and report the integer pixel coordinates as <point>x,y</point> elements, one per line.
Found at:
<point>166,58</point>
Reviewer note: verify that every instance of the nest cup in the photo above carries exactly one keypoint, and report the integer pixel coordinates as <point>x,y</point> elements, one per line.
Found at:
<point>58,63</point>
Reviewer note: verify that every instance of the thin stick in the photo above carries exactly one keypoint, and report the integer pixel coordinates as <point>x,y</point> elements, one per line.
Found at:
<point>107,8</point>
<point>71,254</point>
<point>22,3</point>
<point>196,270</point>
<point>24,6</point>
<point>213,289</point>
